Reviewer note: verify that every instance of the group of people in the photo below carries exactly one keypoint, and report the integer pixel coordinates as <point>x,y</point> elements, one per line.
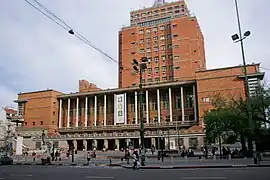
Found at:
<point>135,157</point>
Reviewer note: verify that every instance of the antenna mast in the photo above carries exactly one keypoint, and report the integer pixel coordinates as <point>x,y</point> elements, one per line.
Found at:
<point>159,2</point>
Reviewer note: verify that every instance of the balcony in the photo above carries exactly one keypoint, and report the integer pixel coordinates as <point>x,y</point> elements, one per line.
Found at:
<point>179,124</point>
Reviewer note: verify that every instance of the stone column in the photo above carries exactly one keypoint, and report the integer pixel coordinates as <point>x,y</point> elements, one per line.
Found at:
<point>153,141</point>
<point>94,143</point>
<point>170,104</point>
<point>60,113</point>
<point>68,118</point>
<point>95,111</point>
<point>77,113</point>
<point>105,111</point>
<point>158,105</point>
<point>147,106</point>
<point>127,142</point>
<point>85,113</point>
<point>117,144</point>
<point>75,144</point>
<point>136,108</point>
<point>182,103</point>
<point>186,142</point>
<point>85,144</point>
<point>106,144</point>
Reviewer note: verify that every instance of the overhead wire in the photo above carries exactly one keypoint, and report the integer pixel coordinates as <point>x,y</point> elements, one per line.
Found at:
<point>65,26</point>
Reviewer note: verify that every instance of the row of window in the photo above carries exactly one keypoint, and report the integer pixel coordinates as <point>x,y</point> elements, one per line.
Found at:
<point>34,123</point>
<point>144,14</point>
<point>156,49</point>
<point>155,29</point>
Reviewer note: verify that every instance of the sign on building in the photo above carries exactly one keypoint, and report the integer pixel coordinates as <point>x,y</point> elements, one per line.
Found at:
<point>19,146</point>
<point>119,109</point>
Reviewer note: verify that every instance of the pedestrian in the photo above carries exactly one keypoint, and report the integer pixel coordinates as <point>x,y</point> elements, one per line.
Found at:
<point>135,160</point>
<point>88,158</point>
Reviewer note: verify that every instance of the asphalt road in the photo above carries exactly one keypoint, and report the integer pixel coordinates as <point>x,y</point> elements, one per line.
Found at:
<point>75,173</point>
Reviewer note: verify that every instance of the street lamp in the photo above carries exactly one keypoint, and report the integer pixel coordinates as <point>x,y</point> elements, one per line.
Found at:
<point>239,38</point>
<point>139,68</point>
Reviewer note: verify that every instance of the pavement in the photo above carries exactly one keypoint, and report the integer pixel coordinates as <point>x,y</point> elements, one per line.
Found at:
<point>71,173</point>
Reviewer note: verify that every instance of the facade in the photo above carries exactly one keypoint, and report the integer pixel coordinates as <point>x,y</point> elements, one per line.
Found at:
<point>171,40</point>
<point>176,92</point>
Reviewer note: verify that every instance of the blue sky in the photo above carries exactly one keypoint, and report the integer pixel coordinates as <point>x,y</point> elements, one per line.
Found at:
<point>36,54</point>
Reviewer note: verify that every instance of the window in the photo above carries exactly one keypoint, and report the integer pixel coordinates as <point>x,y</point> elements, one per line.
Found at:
<point>166,100</point>
<point>162,37</point>
<point>178,102</point>
<point>176,7</point>
<point>156,69</point>
<point>34,123</point>
<point>169,36</point>
<point>170,67</point>
<point>155,38</point>
<point>162,27</point>
<point>150,80</point>
<point>155,29</point>
<point>164,68</point>
<point>169,46</point>
<point>141,51</point>
<point>143,14</point>
<point>143,80</point>
<point>169,8</point>
<point>174,25</point>
<point>149,70</point>
<point>141,31</point>
<point>177,12</point>
<point>175,35</point>
<point>25,123</point>
<point>53,112</point>
<point>167,118</point>
<point>141,41</point>
<point>206,99</point>
<point>157,79</point>
<point>133,33</point>
<point>132,53</point>
<point>171,78</point>
<point>41,122</point>
<point>149,59</point>
<point>156,59</point>
<point>176,57</point>
<point>148,30</point>
<point>164,78</point>
<point>150,12</point>
<point>133,43</point>
<point>163,10</point>
<point>170,56</point>
<point>163,57</point>
<point>176,46</point>
<point>155,49</point>
<point>163,47</point>
<point>148,50</point>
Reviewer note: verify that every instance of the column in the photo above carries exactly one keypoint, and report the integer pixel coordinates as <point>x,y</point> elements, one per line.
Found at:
<point>75,144</point>
<point>85,112</point>
<point>68,118</point>
<point>85,144</point>
<point>186,142</point>
<point>147,106</point>
<point>105,112</point>
<point>77,113</point>
<point>117,144</point>
<point>127,142</point>
<point>95,111</point>
<point>170,104</point>
<point>60,113</point>
<point>182,104</point>
<point>94,143</point>
<point>105,144</point>
<point>125,107</point>
<point>195,102</point>
<point>136,108</point>
<point>153,141</point>
<point>158,105</point>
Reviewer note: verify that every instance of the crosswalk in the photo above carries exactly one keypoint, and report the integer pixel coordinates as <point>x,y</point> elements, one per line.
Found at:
<point>90,167</point>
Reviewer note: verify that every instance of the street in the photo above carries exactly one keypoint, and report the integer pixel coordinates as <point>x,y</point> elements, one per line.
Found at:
<point>71,173</point>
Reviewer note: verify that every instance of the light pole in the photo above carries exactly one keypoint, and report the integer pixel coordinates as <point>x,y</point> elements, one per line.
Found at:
<point>239,38</point>
<point>139,68</point>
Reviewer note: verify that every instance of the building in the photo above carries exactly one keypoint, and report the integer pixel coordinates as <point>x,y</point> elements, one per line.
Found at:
<point>177,90</point>
<point>171,39</point>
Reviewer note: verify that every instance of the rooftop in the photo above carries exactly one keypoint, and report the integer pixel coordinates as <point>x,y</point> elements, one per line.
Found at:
<point>230,67</point>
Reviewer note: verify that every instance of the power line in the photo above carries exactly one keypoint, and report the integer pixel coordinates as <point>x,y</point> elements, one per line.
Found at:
<point>68,28</point>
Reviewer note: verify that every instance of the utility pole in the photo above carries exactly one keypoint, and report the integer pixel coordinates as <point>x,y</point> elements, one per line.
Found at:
<point>142,67</point>
<point>240,38</point>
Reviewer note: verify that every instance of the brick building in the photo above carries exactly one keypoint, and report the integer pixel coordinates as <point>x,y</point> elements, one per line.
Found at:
<point>171,39</point>
<point>177,90</point>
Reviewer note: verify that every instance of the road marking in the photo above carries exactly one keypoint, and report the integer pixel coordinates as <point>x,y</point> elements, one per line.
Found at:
<point>98,177</point>
<point>194,178</point>
<point>21,175</point>
<point>2,178</point>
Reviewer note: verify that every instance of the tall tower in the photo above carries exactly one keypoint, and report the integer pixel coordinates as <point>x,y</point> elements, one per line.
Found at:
<point>169,37</point>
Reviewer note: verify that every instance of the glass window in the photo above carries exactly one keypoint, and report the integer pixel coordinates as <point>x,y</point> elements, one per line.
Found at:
<point>156,69</point>
<point>157,79</point>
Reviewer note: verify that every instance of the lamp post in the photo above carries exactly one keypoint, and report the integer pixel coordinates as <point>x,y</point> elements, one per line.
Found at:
<point>239,38</point>
<point>139,68</point>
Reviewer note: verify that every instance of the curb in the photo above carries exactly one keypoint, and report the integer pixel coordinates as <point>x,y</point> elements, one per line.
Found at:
<point>198,167</point>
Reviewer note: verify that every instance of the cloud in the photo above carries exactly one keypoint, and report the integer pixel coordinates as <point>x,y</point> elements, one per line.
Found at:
<point>38,54</point>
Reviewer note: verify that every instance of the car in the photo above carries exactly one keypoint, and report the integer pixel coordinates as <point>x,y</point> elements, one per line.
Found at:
<point>5,160</point>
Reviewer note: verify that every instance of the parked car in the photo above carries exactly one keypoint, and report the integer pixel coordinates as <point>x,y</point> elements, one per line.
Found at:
<point>5,160</point>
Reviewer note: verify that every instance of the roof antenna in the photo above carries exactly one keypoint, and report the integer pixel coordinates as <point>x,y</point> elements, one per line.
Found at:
<point>159,2</point>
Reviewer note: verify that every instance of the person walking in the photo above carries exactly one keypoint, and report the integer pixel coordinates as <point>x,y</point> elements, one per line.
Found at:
<point>88,158</point>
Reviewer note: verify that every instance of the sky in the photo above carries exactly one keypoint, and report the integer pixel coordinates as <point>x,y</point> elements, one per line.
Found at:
<point>37,54</point>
